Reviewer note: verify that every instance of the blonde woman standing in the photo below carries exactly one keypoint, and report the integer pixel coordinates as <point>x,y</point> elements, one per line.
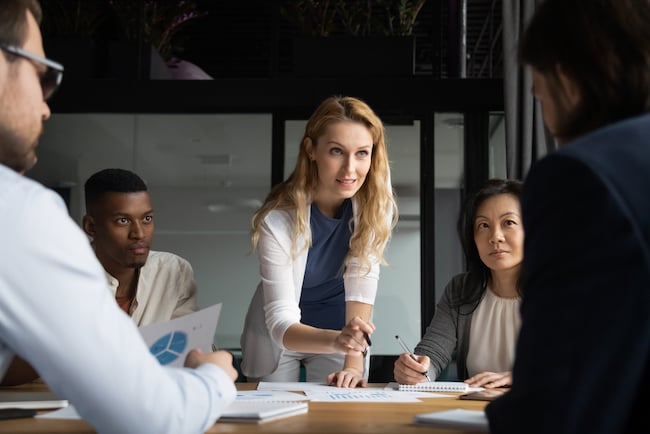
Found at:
<point>320,237</point>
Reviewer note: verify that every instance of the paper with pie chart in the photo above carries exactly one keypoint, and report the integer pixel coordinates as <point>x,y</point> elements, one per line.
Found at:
<point>170,341</point>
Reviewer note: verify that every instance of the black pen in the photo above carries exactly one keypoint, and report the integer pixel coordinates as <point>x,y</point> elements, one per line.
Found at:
<point>365,351</point>
<point>406,349</point>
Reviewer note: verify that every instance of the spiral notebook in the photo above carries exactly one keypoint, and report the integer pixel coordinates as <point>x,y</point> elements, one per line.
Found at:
<point>436,386</point>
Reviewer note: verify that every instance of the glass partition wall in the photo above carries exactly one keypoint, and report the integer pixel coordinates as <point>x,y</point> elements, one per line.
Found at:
<point>208,173</point>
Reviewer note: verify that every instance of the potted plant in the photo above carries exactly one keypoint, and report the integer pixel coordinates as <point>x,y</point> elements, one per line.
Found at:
<point>72,28</point>
<point>158,24</point>
<point>353,37</point>
<point>401,16</point>
<point>123,39</point>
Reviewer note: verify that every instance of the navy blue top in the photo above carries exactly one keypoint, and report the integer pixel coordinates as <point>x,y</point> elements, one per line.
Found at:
<point>322,301</point>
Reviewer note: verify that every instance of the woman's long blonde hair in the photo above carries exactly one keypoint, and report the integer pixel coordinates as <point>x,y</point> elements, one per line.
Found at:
<point>377,209</point>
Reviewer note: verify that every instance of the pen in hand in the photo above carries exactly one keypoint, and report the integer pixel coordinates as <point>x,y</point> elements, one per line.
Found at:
<point>406,349</point>
<point>365,351</point>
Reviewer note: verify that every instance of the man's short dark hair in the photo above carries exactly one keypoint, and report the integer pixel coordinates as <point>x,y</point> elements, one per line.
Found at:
<point>111,181</point>
<point>604,46</point>
<point>13,25</point>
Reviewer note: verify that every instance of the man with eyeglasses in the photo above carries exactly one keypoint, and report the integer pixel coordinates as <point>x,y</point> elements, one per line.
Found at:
<point>54,302</point>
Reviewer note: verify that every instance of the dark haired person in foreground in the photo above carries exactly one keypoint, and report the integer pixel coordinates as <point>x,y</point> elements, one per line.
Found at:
<point>583,357</point>
<point>55,307</point>
<point>148,285</point>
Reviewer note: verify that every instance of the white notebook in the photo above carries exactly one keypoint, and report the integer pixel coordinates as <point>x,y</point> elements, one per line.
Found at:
<point>31,400</point>
<point>261,411</point>
<point>436,386</point>
<point>474,420</point>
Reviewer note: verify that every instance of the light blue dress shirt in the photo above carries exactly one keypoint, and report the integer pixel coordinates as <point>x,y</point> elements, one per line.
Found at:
<point>57,313</point>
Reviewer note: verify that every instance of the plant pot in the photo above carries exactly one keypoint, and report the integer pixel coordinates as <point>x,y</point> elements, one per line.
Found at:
<point>337,56</point>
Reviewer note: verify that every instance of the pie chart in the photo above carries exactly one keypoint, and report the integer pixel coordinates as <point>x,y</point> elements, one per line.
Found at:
<point>169,347</point>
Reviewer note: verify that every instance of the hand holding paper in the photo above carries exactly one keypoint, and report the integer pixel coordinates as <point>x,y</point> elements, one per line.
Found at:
<point>171,341</point>
<point>222,359</point>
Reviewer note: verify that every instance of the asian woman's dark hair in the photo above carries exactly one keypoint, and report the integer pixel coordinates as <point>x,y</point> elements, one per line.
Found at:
<point>478,274</point>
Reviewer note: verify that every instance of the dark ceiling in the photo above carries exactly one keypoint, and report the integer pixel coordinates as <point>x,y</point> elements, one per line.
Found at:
<point>250,39</point>
<point>253,39</point>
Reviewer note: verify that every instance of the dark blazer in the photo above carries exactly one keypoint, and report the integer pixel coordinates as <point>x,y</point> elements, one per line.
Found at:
<point>582,358</point>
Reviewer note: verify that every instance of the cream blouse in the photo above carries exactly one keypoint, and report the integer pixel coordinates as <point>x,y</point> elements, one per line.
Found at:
<point>493,334</point>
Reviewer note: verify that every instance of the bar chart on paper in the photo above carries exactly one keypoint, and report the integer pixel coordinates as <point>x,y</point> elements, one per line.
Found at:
<point>358,395</point>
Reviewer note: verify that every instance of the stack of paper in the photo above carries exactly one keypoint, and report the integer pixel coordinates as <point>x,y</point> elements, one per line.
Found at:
<point>31,400</point>
<point>262,411</point>
<point>256,406</point>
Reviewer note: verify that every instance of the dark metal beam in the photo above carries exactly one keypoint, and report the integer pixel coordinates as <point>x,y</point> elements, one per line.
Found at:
<point>427,222</point>
<point>387,96</point>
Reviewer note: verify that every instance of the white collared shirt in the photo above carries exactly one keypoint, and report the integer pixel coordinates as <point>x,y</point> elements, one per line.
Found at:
<point>166,289</point>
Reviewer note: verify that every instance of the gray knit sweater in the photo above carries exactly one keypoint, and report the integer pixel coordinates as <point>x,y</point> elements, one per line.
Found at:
<point>448,332</point>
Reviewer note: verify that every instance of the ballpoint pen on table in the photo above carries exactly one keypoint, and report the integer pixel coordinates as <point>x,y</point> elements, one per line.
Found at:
<point>406,349</point>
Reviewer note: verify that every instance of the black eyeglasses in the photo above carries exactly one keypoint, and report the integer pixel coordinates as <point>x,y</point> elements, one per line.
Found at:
<point>50,79</point>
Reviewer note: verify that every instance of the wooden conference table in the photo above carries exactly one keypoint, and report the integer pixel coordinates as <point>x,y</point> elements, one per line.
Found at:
<point>322,417</point>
